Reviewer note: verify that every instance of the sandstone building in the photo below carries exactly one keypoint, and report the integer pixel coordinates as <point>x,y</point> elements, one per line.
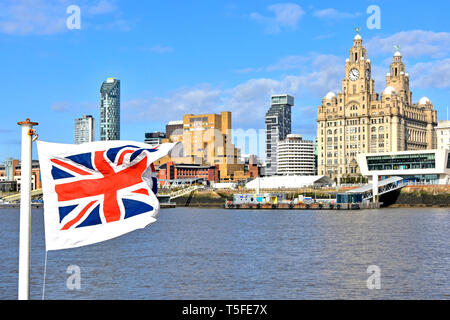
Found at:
<point>358,120</point>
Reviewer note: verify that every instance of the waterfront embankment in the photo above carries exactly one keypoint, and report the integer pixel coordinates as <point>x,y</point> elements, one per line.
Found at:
<point>423,196</point>
<point>410,196</point>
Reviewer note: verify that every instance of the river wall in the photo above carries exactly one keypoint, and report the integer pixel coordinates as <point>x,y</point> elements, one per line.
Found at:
<point>411,196</point>
<point>420,196</point>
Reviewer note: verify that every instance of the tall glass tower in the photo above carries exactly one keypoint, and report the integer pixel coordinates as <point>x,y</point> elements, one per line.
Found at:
<point>278,126</point>
<point>110,110</point>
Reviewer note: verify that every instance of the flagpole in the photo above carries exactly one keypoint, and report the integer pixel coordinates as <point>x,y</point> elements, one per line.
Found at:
<point>25,209</point>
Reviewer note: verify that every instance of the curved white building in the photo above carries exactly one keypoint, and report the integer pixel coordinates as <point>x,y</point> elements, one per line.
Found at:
<point>295,156</point>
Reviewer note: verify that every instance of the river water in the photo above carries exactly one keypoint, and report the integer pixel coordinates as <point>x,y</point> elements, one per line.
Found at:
<point>192,253</point>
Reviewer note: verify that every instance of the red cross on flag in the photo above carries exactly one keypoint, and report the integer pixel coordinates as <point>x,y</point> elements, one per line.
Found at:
<point>97,191</point>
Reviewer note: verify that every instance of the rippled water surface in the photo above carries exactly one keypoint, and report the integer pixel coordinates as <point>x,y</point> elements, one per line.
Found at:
<point>192,253</point>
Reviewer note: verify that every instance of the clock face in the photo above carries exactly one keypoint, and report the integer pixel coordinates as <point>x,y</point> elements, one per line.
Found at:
<point>367,74</point>
<point>353,74</point>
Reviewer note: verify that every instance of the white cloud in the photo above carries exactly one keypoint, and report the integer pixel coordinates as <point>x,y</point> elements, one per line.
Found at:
<point>74,107</point>
<point>414,44</point>
<point>248,101</point>
<point>200,99</point>
<point>332,13</point>
<point>60,106</point>
<point>248,70</point>
<point>289,63</point>
<point>41,17</point>
<point>285,16</point>
<point>33,17</point>
<point>102,7</point>
<point>435,74</point>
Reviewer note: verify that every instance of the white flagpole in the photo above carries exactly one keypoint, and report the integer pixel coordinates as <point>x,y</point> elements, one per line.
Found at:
<point>25,209</point>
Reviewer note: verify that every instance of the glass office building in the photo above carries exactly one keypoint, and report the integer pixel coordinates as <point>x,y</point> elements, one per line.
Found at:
<point>402,161</point>
<point>278,126</point>
<point>415,167</point>
<point>110,110</point>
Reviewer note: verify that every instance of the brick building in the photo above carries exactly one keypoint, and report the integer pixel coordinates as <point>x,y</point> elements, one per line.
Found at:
<point>173,171</point>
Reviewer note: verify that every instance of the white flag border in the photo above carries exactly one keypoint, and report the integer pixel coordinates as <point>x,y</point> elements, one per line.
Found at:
<point>56,239</point>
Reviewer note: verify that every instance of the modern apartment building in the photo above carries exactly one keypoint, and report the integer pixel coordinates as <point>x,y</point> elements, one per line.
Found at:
<point>358,120</point>
<point>278,126</point>
<point>110,110</point>
<point>295,156</point>
<point>84,129</point>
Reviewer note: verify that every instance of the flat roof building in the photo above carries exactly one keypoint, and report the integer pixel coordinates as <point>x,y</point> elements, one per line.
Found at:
<point>170,171</point>
<point>84,129</point>
<point>154,138</point>
<point>207,140</point>
<point>174,127</point>
<point>443,135</point>
<point>295,156</point>
<point>416,167</point>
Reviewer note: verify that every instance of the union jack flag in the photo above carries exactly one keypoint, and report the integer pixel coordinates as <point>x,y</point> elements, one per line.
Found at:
<point>100,191</point>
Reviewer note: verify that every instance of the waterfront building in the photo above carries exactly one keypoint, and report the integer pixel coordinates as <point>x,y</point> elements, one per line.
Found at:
<point>110,110</point>
<point>416,167</point>
<point>443,135</point>
<point>295,156</point>
<point>84,129</point>
<point>278,126</point>
<point>358,120</point>
<point>251,168</point>
<point>10,171</point>
<point>207,140</point>
<point>154,138</point>
<point>170,171</point>
<point>174,128</point>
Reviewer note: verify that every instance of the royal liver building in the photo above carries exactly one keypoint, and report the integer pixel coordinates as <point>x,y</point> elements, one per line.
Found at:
<point>358,120</point>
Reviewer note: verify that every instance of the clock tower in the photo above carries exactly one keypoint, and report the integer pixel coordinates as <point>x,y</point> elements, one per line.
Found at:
<point>359,120</point>
<point>358,80</point>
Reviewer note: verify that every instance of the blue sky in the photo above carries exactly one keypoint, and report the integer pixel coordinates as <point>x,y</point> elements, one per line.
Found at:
<point>177,57</point>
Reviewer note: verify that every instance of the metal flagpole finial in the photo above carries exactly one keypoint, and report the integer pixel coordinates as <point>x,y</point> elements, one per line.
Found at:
<point>27,122</point>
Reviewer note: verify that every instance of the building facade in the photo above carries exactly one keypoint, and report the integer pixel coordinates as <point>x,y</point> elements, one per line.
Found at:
<point>415,167</point>
<point>84,129</point>
<point>170,171</point>
<point>207,140</point>
<point>358,120</point>
<point>110,110</point>
<point>443,135</point>
<point>295,156</point>
<point>278,126</point>
<point>174,127</point>
<point>154,138</point>
<point>11,172</point>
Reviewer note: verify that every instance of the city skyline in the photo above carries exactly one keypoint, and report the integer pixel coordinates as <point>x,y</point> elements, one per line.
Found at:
<point>231,65</point>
